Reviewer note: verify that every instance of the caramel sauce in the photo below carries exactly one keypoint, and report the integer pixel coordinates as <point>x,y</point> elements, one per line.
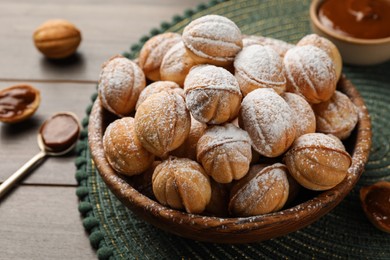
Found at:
<point>60,132</point>
<point>15,100</point>
<point>378,204</point>
<point>365,19</point>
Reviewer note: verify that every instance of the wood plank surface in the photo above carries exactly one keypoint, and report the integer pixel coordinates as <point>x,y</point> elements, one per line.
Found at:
<point>39,218</point>
<point>108,28</point>
<point>43,223</point>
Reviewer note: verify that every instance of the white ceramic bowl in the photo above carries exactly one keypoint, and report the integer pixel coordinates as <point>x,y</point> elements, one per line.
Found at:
<point>353,50</point>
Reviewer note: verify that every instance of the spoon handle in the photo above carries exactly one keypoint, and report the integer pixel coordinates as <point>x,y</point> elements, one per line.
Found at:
<point>14,178</point>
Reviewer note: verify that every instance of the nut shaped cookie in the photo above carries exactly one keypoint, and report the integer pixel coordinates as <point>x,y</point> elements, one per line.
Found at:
<point>153,51</point>
<point>337,116</point>
<point>162,123</point>
<point>281,47</point>
<point>212,39</point>
<point>305,120</point>
<point>188,148</point>
<point>212,94</point>
<point>157,87</point>
<point>318,161</point>
<point>259,66</point>
<point>327,46</point>
<point>269,121</point>
<point>262,191</point>
<point>181,183</point>
<point>225,153</point>
<point>123,150</point>
<point>57,38</point>
<point>310,72</point>
<point>176,64</point>
<point>120,84</point>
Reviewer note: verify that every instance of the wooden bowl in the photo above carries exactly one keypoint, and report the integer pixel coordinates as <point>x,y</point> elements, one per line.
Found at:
<point>234,230</point>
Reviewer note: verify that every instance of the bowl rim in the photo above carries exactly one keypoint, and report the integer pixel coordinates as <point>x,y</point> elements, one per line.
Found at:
<point>235,229</point>
<point>315,4</point>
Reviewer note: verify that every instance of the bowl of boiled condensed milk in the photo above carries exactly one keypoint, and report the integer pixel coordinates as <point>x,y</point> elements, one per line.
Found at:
<point>359,28</point>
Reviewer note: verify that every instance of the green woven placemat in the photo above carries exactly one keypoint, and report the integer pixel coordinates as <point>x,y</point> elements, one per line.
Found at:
<point>343,233</point>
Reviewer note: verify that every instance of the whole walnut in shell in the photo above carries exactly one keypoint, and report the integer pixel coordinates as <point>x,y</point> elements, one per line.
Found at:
<point>318,161</point>
<point>123,150</point>
<point>212,94</point>
<point>263,190</point>
<point>162,123</point>
<point>225,152</point>
<point>120,84</point>
<point>337,116</point>
<point>269,121</point>
<point>181,183</point>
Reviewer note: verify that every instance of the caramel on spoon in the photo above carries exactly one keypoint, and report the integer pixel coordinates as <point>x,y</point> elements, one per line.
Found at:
<point>57,136</point>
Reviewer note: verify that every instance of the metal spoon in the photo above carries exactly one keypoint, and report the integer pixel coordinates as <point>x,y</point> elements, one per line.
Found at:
<point>43,153</point>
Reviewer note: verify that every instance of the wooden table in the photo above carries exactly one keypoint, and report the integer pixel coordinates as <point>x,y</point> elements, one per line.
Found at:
<point>39,218</point>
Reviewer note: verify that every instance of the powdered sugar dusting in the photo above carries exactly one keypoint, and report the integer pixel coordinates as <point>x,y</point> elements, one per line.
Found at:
<point>318,140</point>
<point>337,116</point>
<point>120,77</point>
<point>212,94</point>
<point>214,37</point>
<point>218,135</point>
<point>157,87</point>
<point>261,64</point>
<point>281,47</point>
<point>122,148</point>
<point>311,72</point>
<point>211,77</point>
<point>271,182</point>
<point>305,120</point>
<point>267,118</point>
<point>155,48</point>
<point>162,122</point>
